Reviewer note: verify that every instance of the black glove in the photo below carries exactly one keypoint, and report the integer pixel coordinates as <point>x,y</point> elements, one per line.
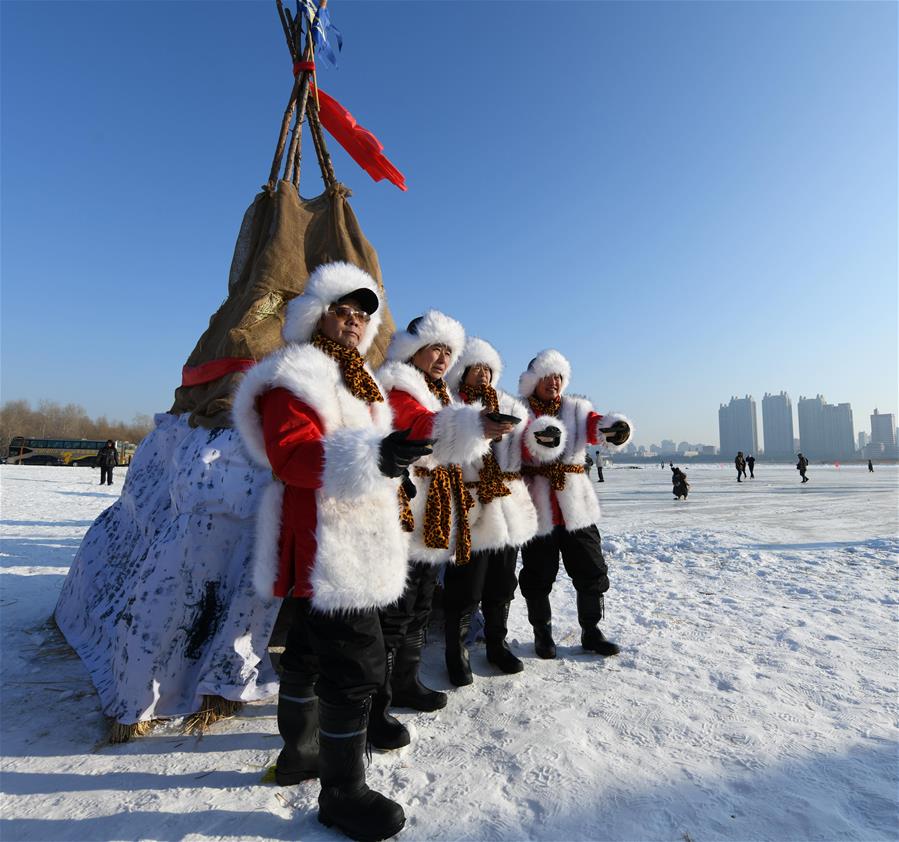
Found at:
<point>549,436</point>
<point>408,485</point>
<point>618,433</point>
<point>398,452</point>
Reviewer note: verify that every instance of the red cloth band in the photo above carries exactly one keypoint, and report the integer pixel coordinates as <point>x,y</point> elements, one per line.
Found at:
<point>207,372</point>
<point>299,66</point>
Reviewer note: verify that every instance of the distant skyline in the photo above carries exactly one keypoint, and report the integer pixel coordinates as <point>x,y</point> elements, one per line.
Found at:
<point>689,200</point>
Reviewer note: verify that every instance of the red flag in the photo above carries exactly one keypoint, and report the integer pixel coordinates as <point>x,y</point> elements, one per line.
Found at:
<point>363,147</point>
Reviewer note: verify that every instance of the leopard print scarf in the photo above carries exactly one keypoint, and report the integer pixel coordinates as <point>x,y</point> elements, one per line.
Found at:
<point>352,365</point>
<point>485,394</point>
<point>438,389</point>
<point>540,407</point>
<point>491,478</point>
<point>446,492</point>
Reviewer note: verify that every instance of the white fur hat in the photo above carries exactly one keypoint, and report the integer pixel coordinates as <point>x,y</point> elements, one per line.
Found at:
<point>476,351</point>
<point>329,283</point>
<point>546,362</point>
<point>433,328</point>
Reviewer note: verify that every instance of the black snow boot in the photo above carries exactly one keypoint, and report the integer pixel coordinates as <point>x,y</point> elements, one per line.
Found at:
<point>590,610</point>
<point>385,731</point>
<point>539,616</point>
<point>345,800</point>
<point>496,618</point>
<point>408,691</point>
<point>544,645</point>
<point>298,726</point>
<point>457,660</point>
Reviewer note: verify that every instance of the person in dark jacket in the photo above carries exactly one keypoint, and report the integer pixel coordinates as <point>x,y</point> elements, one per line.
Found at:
<point>802,467</point>
<point>740,464</point>
<point>679,483</point>
<point>870,466</point>
<point>750,463</point>
<point>588,463</point>
<point>106,461</point>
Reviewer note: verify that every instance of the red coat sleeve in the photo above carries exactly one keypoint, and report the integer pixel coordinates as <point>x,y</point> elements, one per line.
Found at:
<point>409,414</point>
<point>293,438</point>
<point>593,421</point>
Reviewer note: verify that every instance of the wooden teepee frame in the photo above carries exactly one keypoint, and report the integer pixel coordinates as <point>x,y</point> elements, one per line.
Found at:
<point>299,107</point>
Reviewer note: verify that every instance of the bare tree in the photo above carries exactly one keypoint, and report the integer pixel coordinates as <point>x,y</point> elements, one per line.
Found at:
<point>51,420</point>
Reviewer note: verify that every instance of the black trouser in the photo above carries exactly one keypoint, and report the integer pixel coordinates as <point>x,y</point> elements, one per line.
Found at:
<point>489,576</point>
<point>342,652</point>
<point>106,475</point>
<point>581,552</point>
<point>411,611</point>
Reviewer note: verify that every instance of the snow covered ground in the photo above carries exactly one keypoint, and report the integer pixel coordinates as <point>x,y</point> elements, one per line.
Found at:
<point>755,697</point>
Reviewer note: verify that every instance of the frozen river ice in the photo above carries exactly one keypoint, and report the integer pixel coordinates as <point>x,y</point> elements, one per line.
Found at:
<point>755,696</point>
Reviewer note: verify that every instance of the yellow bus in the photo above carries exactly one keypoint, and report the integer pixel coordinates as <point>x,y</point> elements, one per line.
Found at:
<point>26,451</point>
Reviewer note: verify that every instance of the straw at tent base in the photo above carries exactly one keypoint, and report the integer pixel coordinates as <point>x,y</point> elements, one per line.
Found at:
<point>121,732</point>
<point>212,710</point>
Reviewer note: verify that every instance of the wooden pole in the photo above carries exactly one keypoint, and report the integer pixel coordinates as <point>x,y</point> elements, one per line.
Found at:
<point>286,27</point>
<point>285,127</point>
<point>318,138</point>
<point>292,164</point>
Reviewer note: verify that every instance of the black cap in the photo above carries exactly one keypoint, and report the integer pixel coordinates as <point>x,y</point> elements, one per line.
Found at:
<point>366,298</point>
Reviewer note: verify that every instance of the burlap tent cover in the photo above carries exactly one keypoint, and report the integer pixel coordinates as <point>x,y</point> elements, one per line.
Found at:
<point>282,239</point>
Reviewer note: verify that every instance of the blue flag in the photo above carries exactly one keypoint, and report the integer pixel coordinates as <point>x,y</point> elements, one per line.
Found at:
<point>324,33</point>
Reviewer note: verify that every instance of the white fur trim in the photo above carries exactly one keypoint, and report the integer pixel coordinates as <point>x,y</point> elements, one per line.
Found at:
<point>505,521</point>
<point>314,378</point>
<point>361,559</point>
<point>607,420</point>
<point>361,551</point>
<point>435,328</point>
<point>508,521</point>
<point>459,435</point>
<point>546,362</point>
<point>328,283</point>
<point>266,544</point>
<point>405,377</point>
<point>541,454</point>
<point>476,351</point>
<point>577,500</point>
<point>351,463</point>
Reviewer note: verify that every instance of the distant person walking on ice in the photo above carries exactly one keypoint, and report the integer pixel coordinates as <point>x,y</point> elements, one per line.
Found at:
<point>740,464</point>
<point>679,483</point>
<point>600,477</point>
<point>588,463</point>
<point>802,467</point>
<point>106,461</point>
<point>870,466</point>
<point>750,463</point>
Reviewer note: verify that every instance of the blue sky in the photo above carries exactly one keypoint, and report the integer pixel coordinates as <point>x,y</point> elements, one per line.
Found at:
<point>690,200</point>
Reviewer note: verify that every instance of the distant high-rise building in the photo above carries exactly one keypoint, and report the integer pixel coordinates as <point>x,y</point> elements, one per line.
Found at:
<point>883,428</point>
<point>825,430</point>
<point>883,436</point>
<point>862,440</point>
<point>737,427</point>
<point>668,446</point>
<point>777,426</point>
